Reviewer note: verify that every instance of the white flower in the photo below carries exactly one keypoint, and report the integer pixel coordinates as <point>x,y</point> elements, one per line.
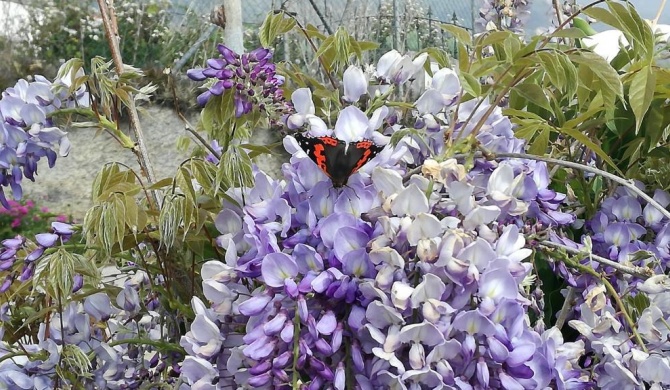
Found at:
<point>355,83</point>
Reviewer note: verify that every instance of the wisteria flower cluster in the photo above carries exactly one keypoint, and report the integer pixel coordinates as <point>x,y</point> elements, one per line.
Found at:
<point>417,261</point>
<point>388,283</point>
<point>251,76</point>
<point>631,232</point>
<point>503,15</point>
<point>92,335</point>
<point>23,271</point>
<point>27,133</point>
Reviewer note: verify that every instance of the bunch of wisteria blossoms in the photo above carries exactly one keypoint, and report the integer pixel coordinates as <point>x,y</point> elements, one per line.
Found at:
<point>251,76</point>
<point>92,341</point>
<point>503,14</point>
<point>27,133</point>
<point>631,232</point>
<point>396,281</point>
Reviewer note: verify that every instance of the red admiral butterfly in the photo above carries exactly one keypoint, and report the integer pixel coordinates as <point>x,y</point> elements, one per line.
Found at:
<point>337,159</point>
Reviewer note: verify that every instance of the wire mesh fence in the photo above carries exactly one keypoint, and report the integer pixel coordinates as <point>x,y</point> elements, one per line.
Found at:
<point>405,25</point>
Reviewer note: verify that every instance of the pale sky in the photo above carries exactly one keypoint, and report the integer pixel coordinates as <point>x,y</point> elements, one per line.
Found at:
<point>646,8</point>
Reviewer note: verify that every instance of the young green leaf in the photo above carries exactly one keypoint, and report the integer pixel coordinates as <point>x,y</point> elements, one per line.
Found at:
<point>462,35</point>
<point>274,25</point>
<point>641,93</point>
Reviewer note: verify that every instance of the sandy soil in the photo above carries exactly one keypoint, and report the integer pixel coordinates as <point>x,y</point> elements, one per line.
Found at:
<point>66,188</point>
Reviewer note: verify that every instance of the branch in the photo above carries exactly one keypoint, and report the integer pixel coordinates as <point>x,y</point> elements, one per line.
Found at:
<point>640,272</point>
<point>563,314</point>
<point>658,14</point>
<point>193,49</point>
<point>111,31</point>
<point>321,17</point>
<point>626,183</point>
<point>615,295</point>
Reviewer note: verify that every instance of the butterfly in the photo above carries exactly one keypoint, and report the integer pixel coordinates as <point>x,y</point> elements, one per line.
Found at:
<point>337,159</point>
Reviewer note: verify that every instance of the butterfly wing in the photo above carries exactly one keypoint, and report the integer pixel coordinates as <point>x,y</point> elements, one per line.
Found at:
<point>336,159</point>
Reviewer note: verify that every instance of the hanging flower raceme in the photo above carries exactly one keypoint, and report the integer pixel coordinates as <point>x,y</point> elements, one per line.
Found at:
<point>27,133</point>
<point>383,283</point>
<point>251,76</point>
<point>503,15</point>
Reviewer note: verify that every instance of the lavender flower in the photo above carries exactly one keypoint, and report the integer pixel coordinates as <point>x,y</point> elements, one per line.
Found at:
<point>250,77</point>
<point>426,294</point>
<point>503,15</point>
<point>27,134</point>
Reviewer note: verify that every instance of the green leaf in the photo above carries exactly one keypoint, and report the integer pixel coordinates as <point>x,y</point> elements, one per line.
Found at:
<point>170,219</point>
<point>633,149</point>
<point>635,28</point>
<point>521,114</point>
<point>581,137</point>
<point>470,84</point>
<point>541,141</point>
<point>161,183</point>
<point>313,32</point>
<point>534,94</point>
<point>641,93</point>
<point>608,79</point>
<point>571,32</point>
<point>602,15</point>
<point>584,26</point>
<point>462,35</point>
<point>275,24</point>
<point>55,273</point>
<point>494,37</point>
<point>440,56</point>
<point>235,168</point>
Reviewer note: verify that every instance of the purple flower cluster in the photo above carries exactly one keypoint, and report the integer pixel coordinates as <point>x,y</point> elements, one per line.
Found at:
<point>251,77</point>
<point>632,232</point>
<point>27,133</point>
<point>386,283</point>
<point>12,269</point>
<point>109,335</point>
<point>503,15</point>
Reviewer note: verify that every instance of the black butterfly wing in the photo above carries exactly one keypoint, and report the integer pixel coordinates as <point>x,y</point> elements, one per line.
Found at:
<point>334,157</point>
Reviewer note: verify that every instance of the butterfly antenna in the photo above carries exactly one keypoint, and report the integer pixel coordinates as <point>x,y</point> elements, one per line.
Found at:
<point>352,190</point>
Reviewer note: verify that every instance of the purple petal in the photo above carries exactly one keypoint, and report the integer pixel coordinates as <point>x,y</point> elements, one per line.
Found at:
<point>254,305</point>
<point>47,240</point>
<point>327,323</point>
<point>277,267</point>
<point>196,74</point>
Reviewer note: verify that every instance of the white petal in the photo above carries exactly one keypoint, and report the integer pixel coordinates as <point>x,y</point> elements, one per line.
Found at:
<point>446,81</point>
<point>607,43</point>
<point>317,127</point>
<point>378,118</point>
<point>430,102</point>
<point>355,83</point>
<point>386,62</point>
<point>351,125</point>
<point>302,101</point>
<point>501,179</point>
<point>410,201</point>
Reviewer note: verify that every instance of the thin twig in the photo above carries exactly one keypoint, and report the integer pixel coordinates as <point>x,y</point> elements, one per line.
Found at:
<point>193,49</point>
<point>313,46</point>
<point>563,314</point>
<point>321,17</point>
<point>640,272</point>
<point>110,27</point>
<point>626,183</point>
<point>658,14</point>
<point>557,9</point>
<point>615,295</point>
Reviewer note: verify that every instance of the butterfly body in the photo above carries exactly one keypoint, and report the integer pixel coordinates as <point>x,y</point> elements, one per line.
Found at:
<point>336,158</point>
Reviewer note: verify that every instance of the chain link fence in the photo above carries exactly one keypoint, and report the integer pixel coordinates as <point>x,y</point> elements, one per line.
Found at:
<point>405,25</point>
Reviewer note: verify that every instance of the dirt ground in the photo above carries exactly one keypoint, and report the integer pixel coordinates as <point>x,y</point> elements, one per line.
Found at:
<point>67,187</point>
